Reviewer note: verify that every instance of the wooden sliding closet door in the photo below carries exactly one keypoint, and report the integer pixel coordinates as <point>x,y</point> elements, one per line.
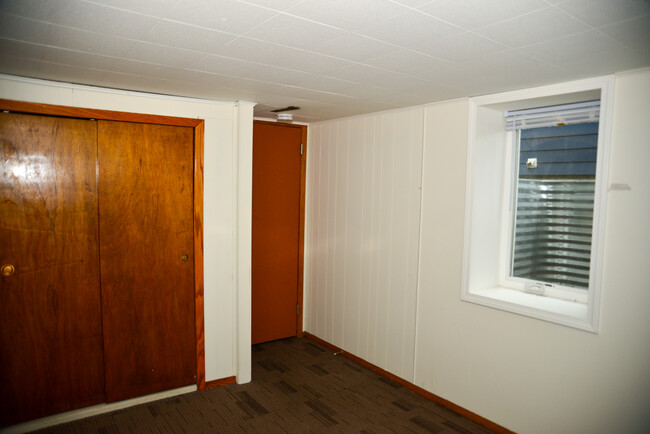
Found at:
<point>50,313</point>
<point>146,251</point>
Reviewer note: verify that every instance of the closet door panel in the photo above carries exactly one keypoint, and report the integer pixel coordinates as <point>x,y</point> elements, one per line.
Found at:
<point>146,254</point>
<point>50,314</point>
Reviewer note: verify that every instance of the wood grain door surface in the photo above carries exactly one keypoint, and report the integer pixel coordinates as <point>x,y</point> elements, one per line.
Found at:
<point>96,217</point>
<point>146,226</point>
<point>50,313</point>
<point>275,232</point>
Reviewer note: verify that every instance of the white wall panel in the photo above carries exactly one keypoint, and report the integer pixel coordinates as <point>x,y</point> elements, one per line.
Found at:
<point>363,208</point>
<point>523,373</point>
<point>363,213</point>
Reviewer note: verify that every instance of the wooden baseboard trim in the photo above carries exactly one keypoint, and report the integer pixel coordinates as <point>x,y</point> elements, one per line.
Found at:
<point>218,383</point>
<point>420,391</point>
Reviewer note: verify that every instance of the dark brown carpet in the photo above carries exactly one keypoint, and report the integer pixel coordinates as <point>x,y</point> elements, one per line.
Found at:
<point>297,387</point>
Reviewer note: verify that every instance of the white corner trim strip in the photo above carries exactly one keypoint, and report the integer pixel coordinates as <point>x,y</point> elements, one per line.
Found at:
<point>93,411</point>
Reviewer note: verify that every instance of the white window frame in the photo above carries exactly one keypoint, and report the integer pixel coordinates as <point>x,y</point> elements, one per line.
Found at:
<point>488,219</point>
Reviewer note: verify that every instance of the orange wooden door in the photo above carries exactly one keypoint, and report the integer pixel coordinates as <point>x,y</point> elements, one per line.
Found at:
<point>276,229</point>
<point>146,228</point>
<point>50,313</point>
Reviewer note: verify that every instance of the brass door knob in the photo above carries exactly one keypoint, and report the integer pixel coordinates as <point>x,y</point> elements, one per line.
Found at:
<point>7,270</point>
<point>185,257</point>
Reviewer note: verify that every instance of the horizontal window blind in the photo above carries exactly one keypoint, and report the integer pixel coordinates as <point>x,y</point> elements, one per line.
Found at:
<point>553,231</point>
<point>567,114</point>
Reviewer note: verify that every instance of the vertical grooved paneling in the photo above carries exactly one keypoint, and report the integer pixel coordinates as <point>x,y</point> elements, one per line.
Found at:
<point>385,236</point>
<point>365,243</point>
<point>320,233</point>
<point>316,253</point>
<point>399,229</point>
<point>354,215</point>
<point>311,255</point>
<point>340,254</point>
<point>365,178</point>
<point>377,247</point>
<point>330,143</point>
<point>410,305</point>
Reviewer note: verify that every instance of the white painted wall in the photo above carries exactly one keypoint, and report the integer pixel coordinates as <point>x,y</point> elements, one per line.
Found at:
<point>227,198</point>
<point>526,374</point>
<point>363,200</point>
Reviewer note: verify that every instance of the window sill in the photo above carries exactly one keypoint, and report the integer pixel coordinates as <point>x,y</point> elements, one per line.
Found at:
<point>568,313</point>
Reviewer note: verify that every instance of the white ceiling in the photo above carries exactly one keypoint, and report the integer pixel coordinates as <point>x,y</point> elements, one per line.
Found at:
<point>333,58</point>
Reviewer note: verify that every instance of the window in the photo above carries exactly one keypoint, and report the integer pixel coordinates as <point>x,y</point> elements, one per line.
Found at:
<point>535,201</point>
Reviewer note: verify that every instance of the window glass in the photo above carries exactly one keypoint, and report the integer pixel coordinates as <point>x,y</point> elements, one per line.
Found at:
<point>553,219</point>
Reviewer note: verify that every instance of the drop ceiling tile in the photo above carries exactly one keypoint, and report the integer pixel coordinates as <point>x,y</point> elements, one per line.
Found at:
<point>375,77</point>
<point>355,108</point>
<point>324,83</point>
<point>446,75</point>
<point>72,74</point>
<point>23,29</point>
<point>280,55</point>
<point>144,69</point>
<point>413,3</point>
<point>498,62</point>
<point>22,66</point>
<point>472,14</point>
<point>605,12</point>
<point>79,58</point>
<point>560,50</point>
<point>353,47</point>
<point>317,63</point>
<point>407,62</point>
<point>121,80</point>
<point>226,15</point>
<point>262,52</point>
<point>180,35</point>
<point>163,55</point>
<point>533,76</point>
<point>634,33</point>
<point>271,93</point>
<point>277,5</point>
<point>156,8</point>
<point>205,80</point>
<point>441,92</point>
<point>12,49</point>
<point>294,32</point>
<point>359,73</point>
<point>588,51</point>
<point>508,70</point>
<point>346,14</point>
<point>395,100</point>
<point>603,64</point>
<point>214,90</point>
<point>101,19</point>
<point>463,47</point>
<point>83,40</point>
<point>410,29</point>
<point>538,26</point>
<point>304,94</point>
<point>249,70</point>
<point>328,71</point>
<point>376,93</point>
<point>38,10</point>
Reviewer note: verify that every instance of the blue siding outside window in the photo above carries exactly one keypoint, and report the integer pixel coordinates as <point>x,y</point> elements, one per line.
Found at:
<point>561,151</point>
